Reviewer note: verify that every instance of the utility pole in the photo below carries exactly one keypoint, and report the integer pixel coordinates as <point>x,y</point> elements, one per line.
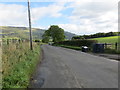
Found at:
<point>29,16</point>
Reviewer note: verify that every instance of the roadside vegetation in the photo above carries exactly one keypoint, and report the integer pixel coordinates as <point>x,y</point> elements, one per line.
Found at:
<point>18,63</point>
<point>77,43</point>
<point>70,47</point>
<point>110,40</point>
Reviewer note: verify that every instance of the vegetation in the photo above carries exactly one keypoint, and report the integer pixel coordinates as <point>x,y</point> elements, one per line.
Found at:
<point>77,43</point>
<point>97,35</point>
<point>110,46</point>
<point>23,33</point>
<point>45,39</point>
<point>109,40</point>
<point>112,39</point>
<point>112,51</point>
<point>55,33</point>
<point>18,63</point>
<point>71,47</point>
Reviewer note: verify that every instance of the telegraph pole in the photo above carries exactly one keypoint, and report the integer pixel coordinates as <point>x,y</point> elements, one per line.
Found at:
<point>29,16</point>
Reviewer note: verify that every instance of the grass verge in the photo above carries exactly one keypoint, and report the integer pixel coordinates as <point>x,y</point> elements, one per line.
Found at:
<point>111,51</point>
<point>70,47</point>
<point>18,64</point>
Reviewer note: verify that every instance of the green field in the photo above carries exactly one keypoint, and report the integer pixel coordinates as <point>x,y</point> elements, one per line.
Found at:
<point>112,39</point>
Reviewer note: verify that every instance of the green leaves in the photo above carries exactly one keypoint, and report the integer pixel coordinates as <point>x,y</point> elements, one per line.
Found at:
<point>55,33</point>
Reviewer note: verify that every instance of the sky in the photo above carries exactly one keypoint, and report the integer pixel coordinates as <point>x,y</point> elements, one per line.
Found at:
<point>75,16</point>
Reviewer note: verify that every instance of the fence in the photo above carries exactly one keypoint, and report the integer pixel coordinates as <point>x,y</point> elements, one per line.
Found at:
<point>115,46</point>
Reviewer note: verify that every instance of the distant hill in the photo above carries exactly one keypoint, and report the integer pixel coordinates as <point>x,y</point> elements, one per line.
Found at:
<point>23,32</point>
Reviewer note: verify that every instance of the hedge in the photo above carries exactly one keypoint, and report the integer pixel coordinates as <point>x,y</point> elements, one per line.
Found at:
<point>77,43</point>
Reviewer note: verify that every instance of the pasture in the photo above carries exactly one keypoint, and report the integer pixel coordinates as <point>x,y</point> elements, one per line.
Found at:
<point>112,39</point>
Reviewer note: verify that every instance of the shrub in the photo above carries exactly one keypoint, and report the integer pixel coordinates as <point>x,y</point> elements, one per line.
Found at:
<point>78,43</point>
<point>37,40</point>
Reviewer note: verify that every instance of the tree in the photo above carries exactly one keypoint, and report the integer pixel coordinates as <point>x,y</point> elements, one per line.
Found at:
<point>55,32</point>
<point>78,37</point>
<point>45,37</point>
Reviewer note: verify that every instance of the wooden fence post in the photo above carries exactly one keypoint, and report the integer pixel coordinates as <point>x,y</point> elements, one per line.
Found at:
<point>19,40</point>
<point>7,41</point>
<point>105,45</point>
<point>116,44</point>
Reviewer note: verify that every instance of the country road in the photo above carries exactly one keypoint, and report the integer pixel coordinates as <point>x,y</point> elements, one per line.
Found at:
<point>66,68</point>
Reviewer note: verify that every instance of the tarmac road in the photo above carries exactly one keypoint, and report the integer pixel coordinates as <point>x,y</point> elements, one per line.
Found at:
<point>66,68</point>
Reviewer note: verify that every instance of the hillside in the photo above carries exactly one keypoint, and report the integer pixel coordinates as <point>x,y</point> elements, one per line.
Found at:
<point>23,32</point>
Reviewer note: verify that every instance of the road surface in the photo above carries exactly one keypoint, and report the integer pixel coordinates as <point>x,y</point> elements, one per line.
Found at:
<point>66,68</point>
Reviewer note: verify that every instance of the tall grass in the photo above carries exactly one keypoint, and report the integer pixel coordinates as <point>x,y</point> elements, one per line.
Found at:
<point>18,63</point>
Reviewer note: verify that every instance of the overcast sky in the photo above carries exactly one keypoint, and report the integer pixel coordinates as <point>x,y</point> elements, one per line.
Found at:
<point>81,17</point>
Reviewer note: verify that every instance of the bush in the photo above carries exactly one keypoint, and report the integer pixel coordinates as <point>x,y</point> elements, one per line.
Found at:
<point>78,43</point>
<point>37,40</point>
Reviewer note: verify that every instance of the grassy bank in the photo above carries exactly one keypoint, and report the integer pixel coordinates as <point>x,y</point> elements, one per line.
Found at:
<point>18,63</point>
<point>111,51</point>
<point>70,47</point>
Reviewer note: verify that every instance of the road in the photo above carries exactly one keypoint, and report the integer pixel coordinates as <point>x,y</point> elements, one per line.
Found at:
<point>66,68</point>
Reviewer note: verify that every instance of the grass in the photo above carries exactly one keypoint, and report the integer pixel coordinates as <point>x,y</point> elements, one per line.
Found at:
<point>112,39</point>
<point>18,63</point>
<point>110,48</point>
<point>112,51</point>
<point>70,47</point>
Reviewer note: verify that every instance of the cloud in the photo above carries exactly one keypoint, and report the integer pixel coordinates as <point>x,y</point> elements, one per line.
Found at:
<point>88,29</point>
<point>86,17</point>
<point>13,15</point>
<point>92,17</point>
<point>17,15</point>
<point>49,11</point>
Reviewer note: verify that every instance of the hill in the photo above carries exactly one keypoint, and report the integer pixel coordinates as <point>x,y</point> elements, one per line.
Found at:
<point>23,32</point>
